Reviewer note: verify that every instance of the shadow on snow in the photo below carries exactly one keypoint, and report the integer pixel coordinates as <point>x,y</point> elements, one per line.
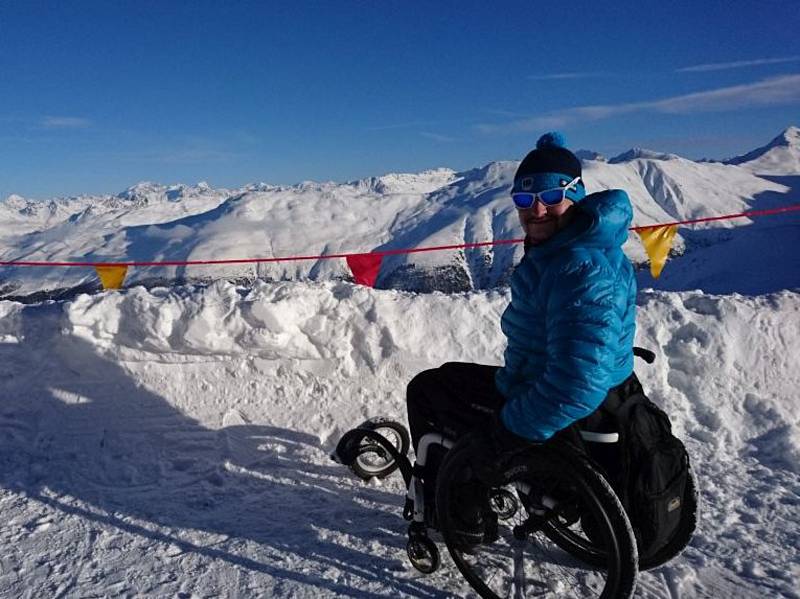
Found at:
<point>753,259</point>
<point>80,435</point>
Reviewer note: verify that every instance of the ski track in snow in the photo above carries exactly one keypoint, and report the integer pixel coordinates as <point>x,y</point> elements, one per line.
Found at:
<point>175,443</point>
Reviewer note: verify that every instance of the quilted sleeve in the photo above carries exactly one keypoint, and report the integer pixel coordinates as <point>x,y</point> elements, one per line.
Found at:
<point>583,328</point>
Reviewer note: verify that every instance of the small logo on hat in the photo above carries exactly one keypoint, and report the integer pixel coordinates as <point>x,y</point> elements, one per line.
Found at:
<point>527,183</point>
<point>563,182</point>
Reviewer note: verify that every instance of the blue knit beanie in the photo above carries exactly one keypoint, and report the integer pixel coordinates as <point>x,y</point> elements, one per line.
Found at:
<point>549,166</point>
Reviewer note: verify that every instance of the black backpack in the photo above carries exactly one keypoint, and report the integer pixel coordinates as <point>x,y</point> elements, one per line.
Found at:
<point>648,467</point>
<point>654,472</point>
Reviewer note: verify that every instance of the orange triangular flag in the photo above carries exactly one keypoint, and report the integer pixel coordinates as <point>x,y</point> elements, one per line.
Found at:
<point>365,267</point>
<point>657,242</point>
<point>112,277</point>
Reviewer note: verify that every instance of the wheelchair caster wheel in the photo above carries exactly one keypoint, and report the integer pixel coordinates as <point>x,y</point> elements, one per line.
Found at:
<point>373,461</point>
<point>423,554</point>
<point>503,503</point>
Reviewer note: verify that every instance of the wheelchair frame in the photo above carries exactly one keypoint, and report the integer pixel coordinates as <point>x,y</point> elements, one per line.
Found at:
<point>422,551</point>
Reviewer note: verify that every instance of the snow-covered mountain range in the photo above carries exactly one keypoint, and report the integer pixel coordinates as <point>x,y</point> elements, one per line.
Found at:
<point>152,222</point>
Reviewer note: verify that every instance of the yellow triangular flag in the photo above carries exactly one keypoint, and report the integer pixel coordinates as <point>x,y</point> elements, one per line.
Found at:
<point>112,277</point>
<point>658,241</point>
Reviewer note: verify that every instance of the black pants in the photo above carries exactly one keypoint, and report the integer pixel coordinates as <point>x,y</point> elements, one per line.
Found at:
<point>459,397</point>
<point>453,399</point>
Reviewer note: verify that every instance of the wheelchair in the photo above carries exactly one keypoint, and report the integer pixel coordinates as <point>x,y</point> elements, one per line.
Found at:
<point>552,527</point>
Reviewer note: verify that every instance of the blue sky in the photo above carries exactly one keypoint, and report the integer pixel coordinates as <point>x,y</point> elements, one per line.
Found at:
<point>96,96</point>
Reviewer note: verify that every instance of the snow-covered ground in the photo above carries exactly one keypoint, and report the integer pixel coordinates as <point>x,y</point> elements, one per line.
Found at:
<point>174,442</point>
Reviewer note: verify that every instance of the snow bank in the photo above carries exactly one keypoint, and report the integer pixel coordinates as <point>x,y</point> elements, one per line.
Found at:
<point>727,365</point>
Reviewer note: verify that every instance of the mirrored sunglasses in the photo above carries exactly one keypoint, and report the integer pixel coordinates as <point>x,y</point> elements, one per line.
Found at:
<point>548,197</point>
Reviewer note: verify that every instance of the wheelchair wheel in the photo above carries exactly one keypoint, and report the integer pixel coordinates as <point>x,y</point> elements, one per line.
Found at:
<point>516,557</point>
<point>372,460</point>
<point>423,554</point>
<point>577,536</point>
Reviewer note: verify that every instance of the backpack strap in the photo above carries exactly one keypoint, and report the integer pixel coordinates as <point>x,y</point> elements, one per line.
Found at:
<point>623,416</point>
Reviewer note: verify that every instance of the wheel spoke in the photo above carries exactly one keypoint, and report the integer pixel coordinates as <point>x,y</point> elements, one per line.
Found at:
<point>525,560</point>
<point>519,570</point>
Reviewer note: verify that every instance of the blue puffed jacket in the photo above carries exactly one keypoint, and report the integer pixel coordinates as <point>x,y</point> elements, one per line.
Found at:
<point>571,321</point>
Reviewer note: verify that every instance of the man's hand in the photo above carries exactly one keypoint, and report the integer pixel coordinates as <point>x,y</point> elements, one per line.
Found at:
<point>490,451</point>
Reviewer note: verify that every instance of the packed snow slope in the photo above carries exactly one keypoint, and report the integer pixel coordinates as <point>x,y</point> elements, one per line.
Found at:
<point>441,207</point>
<point>174,442</point>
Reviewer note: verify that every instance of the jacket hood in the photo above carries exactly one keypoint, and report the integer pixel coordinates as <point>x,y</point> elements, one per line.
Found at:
<point>601,221</point>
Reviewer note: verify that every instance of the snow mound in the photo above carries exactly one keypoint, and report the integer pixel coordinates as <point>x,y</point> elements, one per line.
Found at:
<point>708,346</point>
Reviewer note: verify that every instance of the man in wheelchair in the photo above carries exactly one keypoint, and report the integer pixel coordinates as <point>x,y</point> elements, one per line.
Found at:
<point>556,460</point>
<point>570,328</point>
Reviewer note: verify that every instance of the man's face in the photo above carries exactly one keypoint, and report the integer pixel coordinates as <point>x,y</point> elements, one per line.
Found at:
<point>541,222</point>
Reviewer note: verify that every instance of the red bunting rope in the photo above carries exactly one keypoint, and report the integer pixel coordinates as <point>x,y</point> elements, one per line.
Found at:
<point>725,217</point>
<point>381,253</point>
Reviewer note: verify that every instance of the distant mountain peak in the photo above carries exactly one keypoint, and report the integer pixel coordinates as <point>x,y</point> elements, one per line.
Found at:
<point>590,155</point>
<point>781,155</point>
<point>15,200</point>
<point>139,189</point>
<point>146,192</point>
<point>422,182</point>
<point>642,153</point>
<point>790,137</point>
<point>260,186</point>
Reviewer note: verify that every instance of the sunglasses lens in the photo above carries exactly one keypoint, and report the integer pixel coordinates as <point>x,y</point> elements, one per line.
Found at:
<point>552,196</point>
<point>523,200</point>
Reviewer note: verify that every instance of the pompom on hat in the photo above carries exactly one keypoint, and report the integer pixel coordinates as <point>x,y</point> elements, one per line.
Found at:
<point>548,166</point>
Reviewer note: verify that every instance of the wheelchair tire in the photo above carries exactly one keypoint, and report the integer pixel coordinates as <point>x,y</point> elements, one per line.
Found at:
<point>578,542</point>
<point>372,461</point>
<point>517,558</point>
